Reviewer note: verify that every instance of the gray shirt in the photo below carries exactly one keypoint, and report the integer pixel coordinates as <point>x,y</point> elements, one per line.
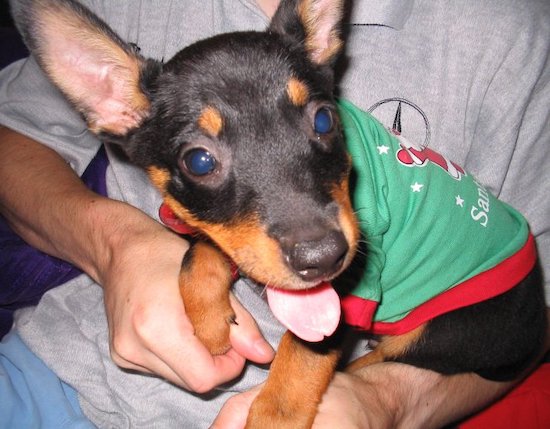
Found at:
<point>473,82</point>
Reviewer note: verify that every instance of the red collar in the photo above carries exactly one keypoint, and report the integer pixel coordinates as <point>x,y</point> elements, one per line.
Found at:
<point>169,218</point>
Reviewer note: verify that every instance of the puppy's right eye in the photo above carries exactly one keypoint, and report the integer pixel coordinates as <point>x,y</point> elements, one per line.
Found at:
<point>199,162</point>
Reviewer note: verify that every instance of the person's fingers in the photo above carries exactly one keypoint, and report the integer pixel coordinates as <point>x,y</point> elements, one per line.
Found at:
<point>135,331</point>
<point>195,369</point>
<point>186,363</point>
<point>246,337</point>
<point>164,344</point>
<point>151,365</point>
<point>201,371</point>
<point>235,411</point>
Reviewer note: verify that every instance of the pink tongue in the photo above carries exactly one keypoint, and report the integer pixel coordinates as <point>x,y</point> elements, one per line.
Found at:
<point>310,314</point>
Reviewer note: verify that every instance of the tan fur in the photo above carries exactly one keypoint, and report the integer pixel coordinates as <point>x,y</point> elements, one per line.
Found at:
<point>211,121</point>
<point>346,216</point>
<point>159,177</point>
<point>322,48</point>
<point>298,378</point>
<point>297,92</point>
<point>204,286</point>
<point>246,243</point>
<point>389,347</point>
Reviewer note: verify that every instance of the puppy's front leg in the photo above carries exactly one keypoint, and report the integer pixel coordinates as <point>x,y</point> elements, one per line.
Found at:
<point>298,378</point>
<point>205,280</point>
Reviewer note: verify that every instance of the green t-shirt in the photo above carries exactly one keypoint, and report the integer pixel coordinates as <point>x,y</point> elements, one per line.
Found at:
<point>429,227</point>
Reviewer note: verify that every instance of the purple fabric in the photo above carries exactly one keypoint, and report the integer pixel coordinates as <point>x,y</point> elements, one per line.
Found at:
<point>27,273</point>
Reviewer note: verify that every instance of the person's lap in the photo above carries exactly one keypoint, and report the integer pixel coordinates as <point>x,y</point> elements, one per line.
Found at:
<point>34,396</point>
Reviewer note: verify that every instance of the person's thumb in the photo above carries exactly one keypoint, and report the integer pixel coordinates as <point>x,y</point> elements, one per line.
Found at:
<point>246,338</point>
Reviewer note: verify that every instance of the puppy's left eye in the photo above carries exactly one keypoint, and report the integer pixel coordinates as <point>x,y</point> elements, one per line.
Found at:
<point>199,162</point>
<point>323,121</point>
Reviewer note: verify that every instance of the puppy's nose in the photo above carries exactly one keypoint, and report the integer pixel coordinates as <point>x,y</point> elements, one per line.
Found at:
<point>318,258</point>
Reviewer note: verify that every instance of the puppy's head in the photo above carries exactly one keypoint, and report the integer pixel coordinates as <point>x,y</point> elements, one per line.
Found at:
<point>239,132</point>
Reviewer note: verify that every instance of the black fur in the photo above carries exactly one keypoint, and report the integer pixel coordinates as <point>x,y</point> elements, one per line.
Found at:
<point>498,339</point>
<point>256,67</point>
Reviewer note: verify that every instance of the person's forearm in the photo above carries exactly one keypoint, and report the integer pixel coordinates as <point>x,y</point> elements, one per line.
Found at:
<point>45,202</point>
<point>409,397</point>
<point>401,396</point>
<point>386,396</point>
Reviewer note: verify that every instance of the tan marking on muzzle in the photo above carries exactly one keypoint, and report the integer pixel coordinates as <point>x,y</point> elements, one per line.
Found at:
<point>246,242</point>
<point>346,217</point>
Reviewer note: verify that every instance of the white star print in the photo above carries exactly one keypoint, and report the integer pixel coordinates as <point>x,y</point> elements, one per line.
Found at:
<point>416,187</point>
<point>459,201</point>
<point>383,150</point>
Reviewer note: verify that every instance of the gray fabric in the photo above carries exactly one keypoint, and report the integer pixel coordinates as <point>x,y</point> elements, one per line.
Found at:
<point>478,92</point>
<point>389,13</point>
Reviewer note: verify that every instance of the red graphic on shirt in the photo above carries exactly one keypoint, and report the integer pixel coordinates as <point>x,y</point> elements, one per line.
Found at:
<point>414,156</point>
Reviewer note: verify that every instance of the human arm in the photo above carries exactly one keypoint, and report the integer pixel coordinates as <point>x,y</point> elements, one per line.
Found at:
<point>399,396</point>
<point>392,395</point>
<point>388,395</point>
<point>129,254</point>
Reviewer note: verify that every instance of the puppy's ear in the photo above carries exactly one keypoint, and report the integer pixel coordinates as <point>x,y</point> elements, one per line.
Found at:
<point>93,67</point>
<point>313,24</point>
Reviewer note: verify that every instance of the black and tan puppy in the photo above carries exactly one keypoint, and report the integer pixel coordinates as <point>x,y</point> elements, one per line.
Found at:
<point>240,133</point>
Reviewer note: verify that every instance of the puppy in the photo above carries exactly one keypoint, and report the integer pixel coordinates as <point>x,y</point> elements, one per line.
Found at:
<point>242,136</point>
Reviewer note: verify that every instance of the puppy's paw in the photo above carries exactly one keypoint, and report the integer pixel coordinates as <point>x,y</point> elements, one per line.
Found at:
<point>205,280</point>
<point>212,327</point>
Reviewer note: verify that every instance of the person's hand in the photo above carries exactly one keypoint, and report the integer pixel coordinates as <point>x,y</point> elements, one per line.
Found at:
<point>149,330</point>
<point>387,395</point>
<point>342,407</point>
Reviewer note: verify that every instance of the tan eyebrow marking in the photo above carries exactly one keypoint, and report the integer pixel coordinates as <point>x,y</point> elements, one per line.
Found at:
<point>211,121</point>
<point>297,92</point>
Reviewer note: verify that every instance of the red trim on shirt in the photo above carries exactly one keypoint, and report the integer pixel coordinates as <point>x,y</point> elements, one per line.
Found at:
<point>358,311</point>
<point>486,285</point>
